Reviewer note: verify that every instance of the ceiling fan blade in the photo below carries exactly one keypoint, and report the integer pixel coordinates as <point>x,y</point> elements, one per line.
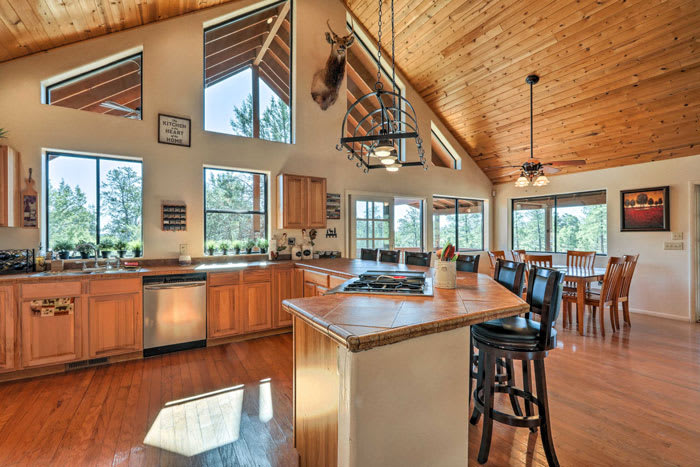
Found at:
<point>551,170</point>
<point>503,167</point>
<point>565,163</point>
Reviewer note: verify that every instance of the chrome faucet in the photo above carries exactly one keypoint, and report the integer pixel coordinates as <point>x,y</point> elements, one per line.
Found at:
<point>97,262</point>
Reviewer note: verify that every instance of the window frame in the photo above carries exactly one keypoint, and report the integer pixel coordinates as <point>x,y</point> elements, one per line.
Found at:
<point>555,197</point>
<point>263,196</point>
<point>446,146</point>
<point>85,74</point>
<point>456,213</point>
<point>97,159</point>
<point>292,70</point>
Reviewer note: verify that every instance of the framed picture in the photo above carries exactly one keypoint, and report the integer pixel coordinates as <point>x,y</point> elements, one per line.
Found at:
<point>174,130</point>
<point>645,210</point>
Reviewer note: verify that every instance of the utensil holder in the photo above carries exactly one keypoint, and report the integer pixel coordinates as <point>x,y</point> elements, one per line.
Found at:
<point>445,275</point>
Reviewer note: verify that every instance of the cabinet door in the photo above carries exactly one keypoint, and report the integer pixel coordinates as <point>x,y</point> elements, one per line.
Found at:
<point>223,311</point>
<point>49,339</point>
<point>7,329</point>
<point>256,306</point>
<point>320,290</point>
<point>309,289</point>
<point>316,203</point>
<point>294,201</point>
<point>283,288</point>
<point>115,324</point>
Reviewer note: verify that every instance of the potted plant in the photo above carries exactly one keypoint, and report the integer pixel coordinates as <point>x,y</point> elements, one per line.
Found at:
<point>84,248</point>
<point>237,245</point>
<point>249,246</point>
<point>263,244</point>
<point>106,247</point>
<point>63,249</point>
<point>136,247</point>
<point>211,247</point>
<point>224,247</point>
<point>120,246</point>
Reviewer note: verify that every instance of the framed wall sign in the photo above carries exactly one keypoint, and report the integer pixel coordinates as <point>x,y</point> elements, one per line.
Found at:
<point>645,210</point>
<point>174,130</point>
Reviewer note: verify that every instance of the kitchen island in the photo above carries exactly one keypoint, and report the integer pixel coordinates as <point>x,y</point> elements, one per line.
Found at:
<point>383,380</point>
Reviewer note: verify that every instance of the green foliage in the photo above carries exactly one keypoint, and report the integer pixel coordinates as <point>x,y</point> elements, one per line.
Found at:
<point>107,244</point>
<point>136,246</point>
<point>274,121</point>
<point>242,121</point>
<point>224,246</point>
<point>63,246</point>
<point>84,247</point>
<point>211,246</point>
<point>120,245</point>
<point>470,230</point>
<point>237,245</point>
<point>3,133</point>
<point>71,216</point>
<point>121,200</point>
<point>408,230</point>
<point>249,245</point>
<point>263,243</point>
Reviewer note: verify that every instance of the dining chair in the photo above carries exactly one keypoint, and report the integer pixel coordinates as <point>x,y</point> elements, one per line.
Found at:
<point>606,298</point>
<point>468,263</point>
<point>389,256</point>
<point>369,254</point>
<point>417,258</point>
<point>542,261</point>
<point>518,255</point>
<point>623,296</point>
<point>494,255</point>
<point>578,259</point>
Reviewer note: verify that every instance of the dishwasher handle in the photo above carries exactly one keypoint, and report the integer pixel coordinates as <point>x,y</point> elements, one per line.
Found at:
<point>175,285</point>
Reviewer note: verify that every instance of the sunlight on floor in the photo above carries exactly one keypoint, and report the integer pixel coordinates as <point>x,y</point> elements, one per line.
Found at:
<point>265,402</point>
<point>197,424</point>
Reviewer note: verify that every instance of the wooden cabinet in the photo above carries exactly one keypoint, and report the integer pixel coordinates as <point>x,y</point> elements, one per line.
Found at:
<point>287,283</point>
<point>7,329</point>
<point>50,337</point>
<point>115,324</point>
<point>301,202</point>
<point>256,300</point>
<point>223,311</point>
<point>10,186</point>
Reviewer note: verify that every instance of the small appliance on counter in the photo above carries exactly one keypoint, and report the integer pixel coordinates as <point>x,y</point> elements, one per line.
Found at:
<point>388,283</point>
<point>307,251</point>
<point>296,253</point>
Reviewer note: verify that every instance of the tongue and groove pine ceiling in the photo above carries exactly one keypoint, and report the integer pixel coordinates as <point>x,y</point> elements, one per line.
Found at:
<point>620,79</point>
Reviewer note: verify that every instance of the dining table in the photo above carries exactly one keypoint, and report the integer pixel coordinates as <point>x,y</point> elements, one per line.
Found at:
<point>581,277</point>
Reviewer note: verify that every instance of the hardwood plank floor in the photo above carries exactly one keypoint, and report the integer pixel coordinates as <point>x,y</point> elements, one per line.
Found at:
<point>631,398</point>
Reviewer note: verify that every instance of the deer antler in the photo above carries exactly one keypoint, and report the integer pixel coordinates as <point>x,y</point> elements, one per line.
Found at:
<point>330,28</point>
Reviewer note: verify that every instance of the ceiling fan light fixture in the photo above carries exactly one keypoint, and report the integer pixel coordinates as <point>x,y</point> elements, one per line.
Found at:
<point>541,180</point>
<point>522,181</point>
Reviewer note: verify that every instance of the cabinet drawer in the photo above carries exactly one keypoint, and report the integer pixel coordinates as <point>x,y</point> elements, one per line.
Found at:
<point>316,278</point>
<point>114,286</point>
<point>335,281</point>
<point>51,289</point>
<point>224,278</point>
<point>256,275</point>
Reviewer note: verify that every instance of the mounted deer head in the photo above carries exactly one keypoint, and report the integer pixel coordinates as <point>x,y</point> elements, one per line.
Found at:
<point>326,81</point>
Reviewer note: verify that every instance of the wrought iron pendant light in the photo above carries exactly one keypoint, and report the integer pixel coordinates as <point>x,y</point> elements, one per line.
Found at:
<point>394,120</point>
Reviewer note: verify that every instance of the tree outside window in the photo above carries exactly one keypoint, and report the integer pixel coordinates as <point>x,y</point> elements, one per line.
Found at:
<point>459,222</point>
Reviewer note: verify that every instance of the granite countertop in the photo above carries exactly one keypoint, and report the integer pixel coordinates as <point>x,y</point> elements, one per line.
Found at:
<point>361,322</point>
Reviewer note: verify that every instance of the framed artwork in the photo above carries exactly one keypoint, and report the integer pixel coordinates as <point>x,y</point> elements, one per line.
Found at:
<point>332,206</point>
<point>645,210</point>
<point>174,130</point>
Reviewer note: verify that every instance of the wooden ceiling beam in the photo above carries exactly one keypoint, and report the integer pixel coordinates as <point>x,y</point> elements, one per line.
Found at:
<point>272,33</point>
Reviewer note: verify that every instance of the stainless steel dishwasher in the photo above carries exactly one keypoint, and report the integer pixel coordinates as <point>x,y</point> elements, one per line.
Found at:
<point>174,313</point>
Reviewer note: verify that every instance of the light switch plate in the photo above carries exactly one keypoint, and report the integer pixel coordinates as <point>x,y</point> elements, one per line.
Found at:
<point>183,248</point>
<point>673,245</point>
<point>677,236</point>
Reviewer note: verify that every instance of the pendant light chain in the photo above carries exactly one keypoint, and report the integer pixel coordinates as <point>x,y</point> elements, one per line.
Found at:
<point>378,85</point>
<point>393,63</point>
<point>532,142</point>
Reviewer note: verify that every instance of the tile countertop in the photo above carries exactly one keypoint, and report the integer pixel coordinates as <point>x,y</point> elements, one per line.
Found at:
<point>361,322</point>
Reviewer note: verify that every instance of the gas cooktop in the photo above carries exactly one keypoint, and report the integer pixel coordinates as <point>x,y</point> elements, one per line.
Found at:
<point>389,283</point>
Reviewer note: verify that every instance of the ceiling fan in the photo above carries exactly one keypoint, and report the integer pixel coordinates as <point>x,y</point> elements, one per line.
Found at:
<point>130,113</point>
<point>533,171</point>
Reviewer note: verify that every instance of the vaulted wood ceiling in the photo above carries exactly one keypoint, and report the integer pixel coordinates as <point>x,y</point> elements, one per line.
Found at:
<point>620,80</point>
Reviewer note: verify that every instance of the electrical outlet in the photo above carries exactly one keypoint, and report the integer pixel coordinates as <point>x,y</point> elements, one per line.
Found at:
<point>183,248</point>
<point>677,236</point>
<point>673,245</point>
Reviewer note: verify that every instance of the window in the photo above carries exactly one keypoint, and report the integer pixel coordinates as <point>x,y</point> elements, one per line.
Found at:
<point>558,223</point>
<point>93,199</point>
<point>235,206</point>
<point>113,89</point>
<point>248,75</point>
<point>408,224</point>
<point>458,221</point>
<point>442,154</point>
<point>386,223</point>
<point>361,70</point>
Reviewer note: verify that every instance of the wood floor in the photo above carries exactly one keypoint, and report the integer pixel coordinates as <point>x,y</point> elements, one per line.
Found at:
<point>631,398</point>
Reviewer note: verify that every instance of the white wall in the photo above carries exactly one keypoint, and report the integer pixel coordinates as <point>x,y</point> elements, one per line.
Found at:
<point>172,84</point>
<point>664,282</point>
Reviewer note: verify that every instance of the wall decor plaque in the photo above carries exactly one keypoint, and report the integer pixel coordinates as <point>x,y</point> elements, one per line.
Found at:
<point>174,130</point>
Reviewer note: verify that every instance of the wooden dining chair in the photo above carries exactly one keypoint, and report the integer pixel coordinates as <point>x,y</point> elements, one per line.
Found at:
<point>416,258</point>
<point>623,296</point>
<point>606,298</point>
<point>369,254</point>
<point>518,255</point>
<point>468,263</point>
<point>495,255</point>
<point>578,259</point>
<point>541,261</point>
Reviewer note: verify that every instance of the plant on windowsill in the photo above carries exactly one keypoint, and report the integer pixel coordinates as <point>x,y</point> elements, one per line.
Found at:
<point>120,246</point>
<point>249,245</point>
<point>237,245</point>
<point>63,249</point>
<point>224,247</point>
<point>263,244</point>
<point>3,133</point>
<point>136,247</point>
<point>84,248</point>
<point>211,247</point>
<point>106,246</point>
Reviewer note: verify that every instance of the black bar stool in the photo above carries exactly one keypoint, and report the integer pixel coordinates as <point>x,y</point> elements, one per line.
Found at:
<point>518,338</point>
<point>369,254</point>
<point>468,263</point>
<point>417,259</point>
<point>389,256</point>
